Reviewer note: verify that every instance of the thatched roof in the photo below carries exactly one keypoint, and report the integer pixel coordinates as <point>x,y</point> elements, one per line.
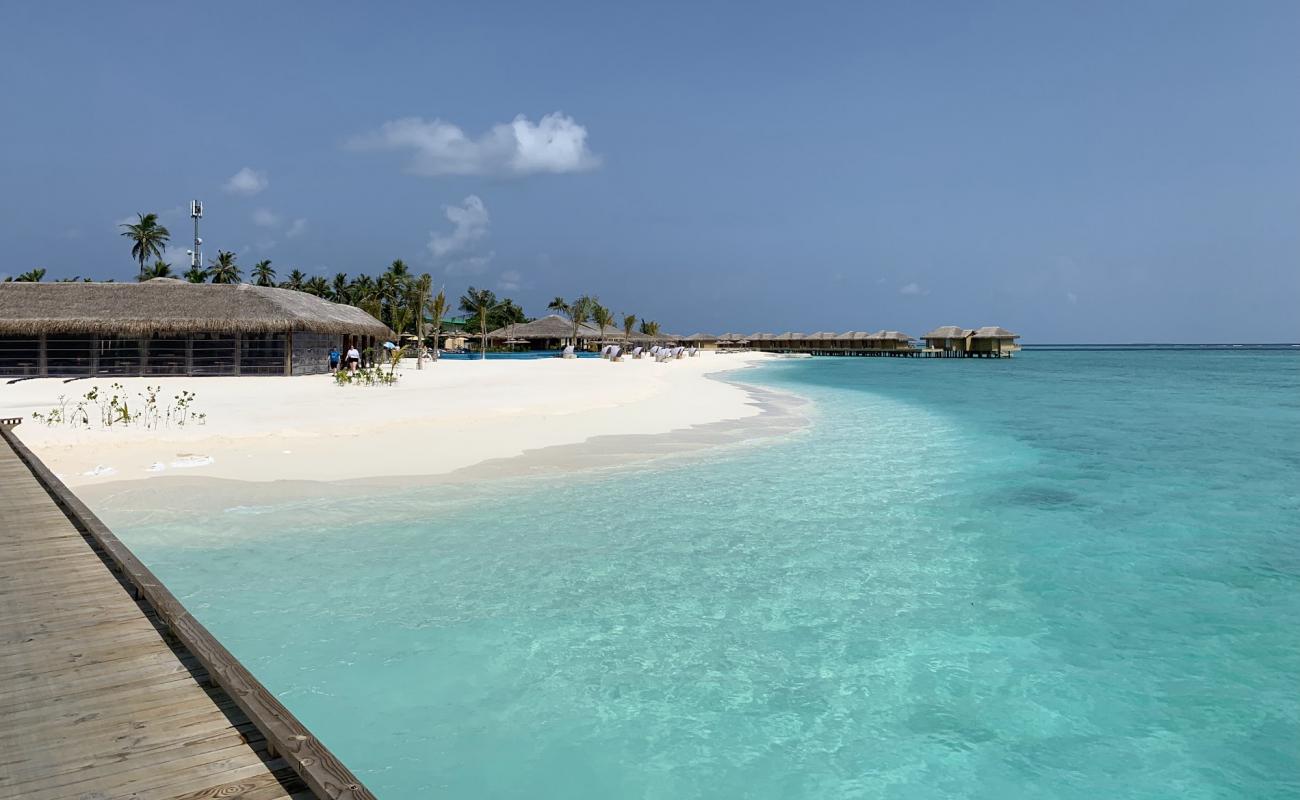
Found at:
<point>896,336</point>
<point>789,336</point>
<point>947,332</point>
<point>994,332</point>
<point>700,337</point>
<point>551,326</point>
<point>168,306</point>
<point>820,336</point>
<point>759,337</point>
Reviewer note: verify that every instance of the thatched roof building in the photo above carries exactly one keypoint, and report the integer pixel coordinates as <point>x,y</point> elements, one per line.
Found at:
<point>994,332</point>
<point>551,326</point>
<point>552,330</point>
<point>170,327</point>
<point>948,332</point>
<point>166,306</point>
<point>993,342</point>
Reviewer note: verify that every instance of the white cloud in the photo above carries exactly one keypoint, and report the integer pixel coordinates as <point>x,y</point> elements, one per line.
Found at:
<point>470,265</point>
<point>469,224</point>
<point>298,228</point>
<point>247,181</point>
<point>913,289</point>
<point>554,144</point>
<point>266,218</point>
<point>510,281</point>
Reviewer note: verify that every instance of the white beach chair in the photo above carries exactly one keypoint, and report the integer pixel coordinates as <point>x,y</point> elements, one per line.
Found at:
<point>614,351</point>
<point>636,352</point>
<point>679,352</point>
<point>568,352</point>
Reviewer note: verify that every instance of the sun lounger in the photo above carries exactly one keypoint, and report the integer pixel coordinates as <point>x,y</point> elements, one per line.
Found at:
<point>636,352</point>
<point>568,352</point>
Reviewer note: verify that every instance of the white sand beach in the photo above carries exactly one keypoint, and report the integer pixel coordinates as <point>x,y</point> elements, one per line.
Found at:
<point>446,417</point>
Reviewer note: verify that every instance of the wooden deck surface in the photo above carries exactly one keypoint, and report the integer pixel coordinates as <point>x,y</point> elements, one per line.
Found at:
<point>94,701</point>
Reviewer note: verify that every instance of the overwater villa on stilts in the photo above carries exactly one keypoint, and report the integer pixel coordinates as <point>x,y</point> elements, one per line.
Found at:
<point>948,341</point>
<point>951,341</point>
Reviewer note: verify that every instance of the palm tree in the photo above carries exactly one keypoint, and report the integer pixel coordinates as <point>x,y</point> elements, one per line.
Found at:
<point>371,305</point>
<point>360,289</point>
<point>601,316</point>
<point>196,274</point>
<point>32,276</point>
<point>650,328</point>
<point>160,269</point>
<point>392,287</point>
<point>480,303</point>
<point>339,288</point>
<point>224,269</point>
<point>295,281</point>
<point>559,306</point>
<point>148,238</point>
<point>418,301</point>
<point>629,323</point>
<point>438,309</point>
<point>263,273</point>
<point>579,312</point>
<point>317,286</point>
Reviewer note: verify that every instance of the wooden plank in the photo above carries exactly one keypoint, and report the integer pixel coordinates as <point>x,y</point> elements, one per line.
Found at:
<point>123,778</point>
<point>95,699</point>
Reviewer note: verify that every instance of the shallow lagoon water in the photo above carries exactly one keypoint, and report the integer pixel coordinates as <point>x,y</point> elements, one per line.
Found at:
<point>1066,575</point>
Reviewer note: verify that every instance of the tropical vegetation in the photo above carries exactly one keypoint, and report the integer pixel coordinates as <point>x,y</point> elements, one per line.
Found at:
<point>224,269</point>
<point>148,239</point>
<point>397,297</point>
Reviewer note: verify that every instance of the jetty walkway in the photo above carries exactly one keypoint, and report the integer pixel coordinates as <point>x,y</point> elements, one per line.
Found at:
<point>109,688</point>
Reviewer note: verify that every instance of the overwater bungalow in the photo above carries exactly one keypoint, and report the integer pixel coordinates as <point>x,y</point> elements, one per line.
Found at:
<point>170,327</point>
<point>889,343</point>
<point>947,341</point>
<point>786,342</point>
<point>820,343</point>
<point>993,342</point>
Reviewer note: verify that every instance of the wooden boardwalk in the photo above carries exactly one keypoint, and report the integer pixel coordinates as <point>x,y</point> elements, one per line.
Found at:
<point>103,695</point>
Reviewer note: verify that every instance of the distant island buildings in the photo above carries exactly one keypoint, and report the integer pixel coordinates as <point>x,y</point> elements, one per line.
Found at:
<point>170,327</point>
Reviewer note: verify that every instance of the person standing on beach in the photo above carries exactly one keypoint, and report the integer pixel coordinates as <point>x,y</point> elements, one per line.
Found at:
<point>354,359</point>
<point>334,358</point>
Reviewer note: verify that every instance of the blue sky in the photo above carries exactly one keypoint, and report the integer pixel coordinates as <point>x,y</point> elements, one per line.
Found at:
<point>1074,171</point>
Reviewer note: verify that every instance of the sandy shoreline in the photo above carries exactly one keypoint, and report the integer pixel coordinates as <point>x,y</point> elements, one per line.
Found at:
<point>441,420</point>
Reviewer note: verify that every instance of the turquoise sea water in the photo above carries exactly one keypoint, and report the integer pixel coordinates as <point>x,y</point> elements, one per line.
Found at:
<point>1067,575</point>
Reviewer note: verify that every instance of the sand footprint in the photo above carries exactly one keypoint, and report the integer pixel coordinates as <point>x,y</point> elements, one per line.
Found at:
<point>188,461</point>
<point>99,471</point>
